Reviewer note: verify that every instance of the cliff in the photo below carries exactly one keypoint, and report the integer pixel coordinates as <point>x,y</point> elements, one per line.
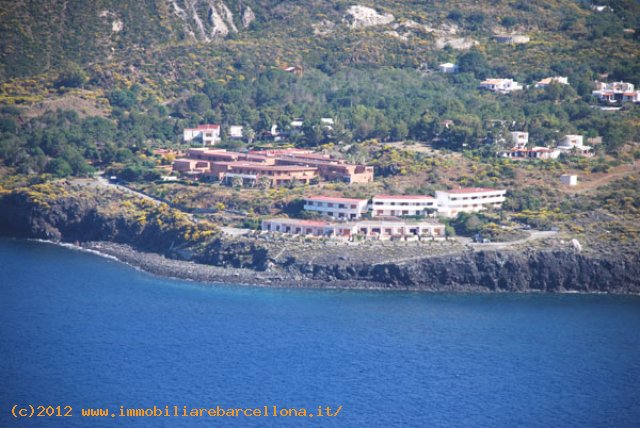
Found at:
<point>138,239</point>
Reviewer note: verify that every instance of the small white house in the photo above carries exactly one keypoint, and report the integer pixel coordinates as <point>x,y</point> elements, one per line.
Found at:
<point>448,68</point>
<point>209,134</point>
<point>502,86</point>
<point>574,143</point>
<point>569,179</point>
<point>236,132</point>
<point>549,80</point>
<point>519,139</point>
<point>338,208</point>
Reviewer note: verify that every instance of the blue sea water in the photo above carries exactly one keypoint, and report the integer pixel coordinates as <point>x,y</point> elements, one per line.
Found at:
<point>88,332</point>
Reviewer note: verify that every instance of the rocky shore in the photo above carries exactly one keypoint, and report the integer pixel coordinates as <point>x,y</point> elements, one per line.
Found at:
<point>554,271</point>
<point>161,241</point>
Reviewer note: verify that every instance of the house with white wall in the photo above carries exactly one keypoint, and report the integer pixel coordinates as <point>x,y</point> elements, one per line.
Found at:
<point>402,205</point>
<point>236,132</point>
<point>208,134</point>
<point>474,199</point>
<point>448,68</point>
<point>549,80</point>
<point>338,208</point>
<point>574,144</point>
<point>519,139</point>
<point>502,86</point>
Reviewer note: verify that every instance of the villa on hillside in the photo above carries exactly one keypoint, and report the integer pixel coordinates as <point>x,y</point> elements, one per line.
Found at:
<point>549,80</point>
<point>520,151</point>
<point>402,205</point>
<point>208,134</point>
<point>533,153</point>
<point>616,92</point>
<point>502,86</point>
<point>338,208</point>
<point>448,68</point>
<point>574,144</point>
<point>452,202</point>
<point>368,229</point>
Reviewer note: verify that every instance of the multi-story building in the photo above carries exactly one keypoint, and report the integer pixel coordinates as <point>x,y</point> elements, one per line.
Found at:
<point>616,92</point>
<point>332,169</point>
<point>519,139</point>
<point>338,208</point>
<point>252,173</point>
<point>574,144</point>
<point>209,134</point>
<point>402,205</point>
<point>452,202</point>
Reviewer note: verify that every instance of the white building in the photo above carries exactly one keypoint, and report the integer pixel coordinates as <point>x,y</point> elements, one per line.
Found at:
<point>616,92</point>
<point>574,144</point>
<point>448,68</point>
<point>339,208</point>
<point>405,205</point>
<point>236,131</point>
<point>369,229</point>
<point>519,139</point>
<point>452,202</point>
<point>209,134</point>
<point>502,86</point>
<point>534,153</point>
<point>549,80</point>
<point>569,179</point>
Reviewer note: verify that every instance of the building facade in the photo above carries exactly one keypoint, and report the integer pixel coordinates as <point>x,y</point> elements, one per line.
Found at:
<point>368,229</point>
<point>209,134</point>
<point>404,205</point>
<point>502,86</point>
<point>452,202</point>
<point>338,208</point>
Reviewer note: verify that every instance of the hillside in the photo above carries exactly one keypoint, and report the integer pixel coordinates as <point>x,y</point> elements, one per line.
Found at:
<point>91,86</point>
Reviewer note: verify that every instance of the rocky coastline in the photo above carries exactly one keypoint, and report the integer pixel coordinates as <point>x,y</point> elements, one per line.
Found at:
<point>549,264</point>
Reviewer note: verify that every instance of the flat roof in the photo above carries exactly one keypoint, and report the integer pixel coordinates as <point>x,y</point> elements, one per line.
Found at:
<point>403,197</point>
<point>334,199</point>
<point>298,222</point>
<point>473,190</point>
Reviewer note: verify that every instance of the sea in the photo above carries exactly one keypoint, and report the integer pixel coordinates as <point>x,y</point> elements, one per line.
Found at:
<point>81,333</point>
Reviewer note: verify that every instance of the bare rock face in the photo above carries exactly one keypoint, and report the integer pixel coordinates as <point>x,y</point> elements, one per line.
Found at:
<point>362,17</point>
<point>217,23</point>
<point>247,17</point>
<point>461,43</point>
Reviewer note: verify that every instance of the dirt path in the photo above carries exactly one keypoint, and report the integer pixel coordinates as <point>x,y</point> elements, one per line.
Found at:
<point>622,172</point>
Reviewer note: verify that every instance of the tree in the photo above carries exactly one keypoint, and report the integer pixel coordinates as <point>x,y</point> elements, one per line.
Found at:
<point>199,103</point>
<point>59,167</point>
<point>71,77</point>
<point>474,62</point>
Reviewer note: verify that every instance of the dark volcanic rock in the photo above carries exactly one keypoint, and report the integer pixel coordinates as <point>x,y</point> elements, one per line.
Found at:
<point>246,260</point>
